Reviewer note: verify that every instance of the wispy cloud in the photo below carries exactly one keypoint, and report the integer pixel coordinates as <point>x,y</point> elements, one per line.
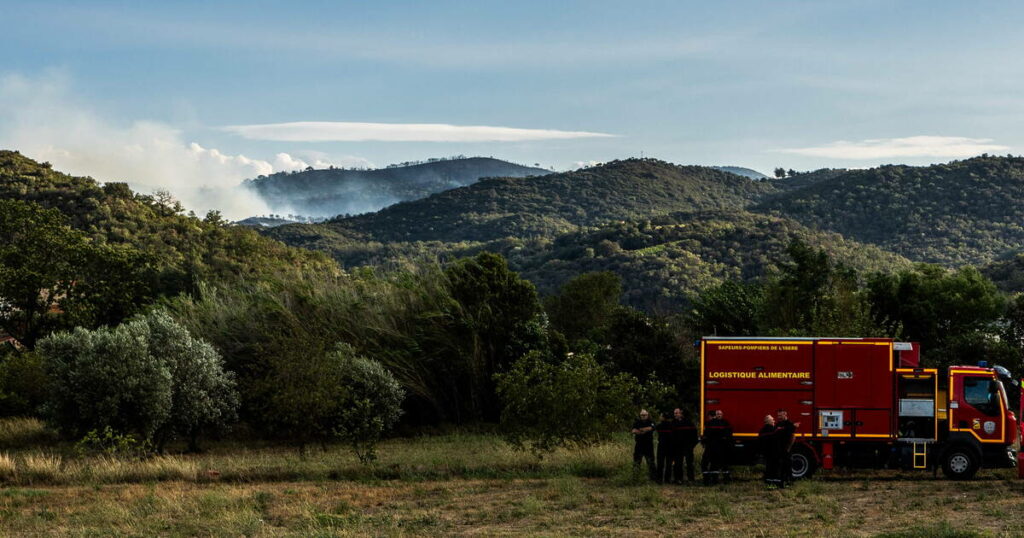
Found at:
<point>430,45</point>
<point>340,131</point>
<point>911,146</point>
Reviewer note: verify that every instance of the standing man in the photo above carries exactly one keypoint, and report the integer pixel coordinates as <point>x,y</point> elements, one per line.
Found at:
<point>666,449</point>
<point>643,436</point>
<point>686,439</point>
<point>784,437</point>
<point>769,447</point>
<point>717,448</point>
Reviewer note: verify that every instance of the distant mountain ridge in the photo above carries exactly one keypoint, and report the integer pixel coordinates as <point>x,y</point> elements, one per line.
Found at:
<point>962,212</point>
<point>335,191</point>
<point>554,203</point>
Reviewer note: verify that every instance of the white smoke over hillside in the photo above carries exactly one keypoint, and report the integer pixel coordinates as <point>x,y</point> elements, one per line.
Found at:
<point>40,119</point>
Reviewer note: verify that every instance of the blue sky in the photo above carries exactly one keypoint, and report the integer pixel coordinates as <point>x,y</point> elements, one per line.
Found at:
<point>760,84</point>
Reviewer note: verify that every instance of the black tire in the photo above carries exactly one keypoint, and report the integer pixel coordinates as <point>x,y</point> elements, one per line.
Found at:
<point>803,462</point>
<point>960,463</point>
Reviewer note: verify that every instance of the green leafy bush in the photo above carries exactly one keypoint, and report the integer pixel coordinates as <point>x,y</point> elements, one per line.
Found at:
<point>148,378</point>
<point>372,406</point>
<point>572,402</point>
<point>107,442</point>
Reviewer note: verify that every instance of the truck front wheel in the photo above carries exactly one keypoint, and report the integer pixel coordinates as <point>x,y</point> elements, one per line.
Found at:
<point>960,463</point>
<point>803,462</point>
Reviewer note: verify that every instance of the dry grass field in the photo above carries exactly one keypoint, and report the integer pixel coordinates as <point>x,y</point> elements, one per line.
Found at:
<point>465,484</point>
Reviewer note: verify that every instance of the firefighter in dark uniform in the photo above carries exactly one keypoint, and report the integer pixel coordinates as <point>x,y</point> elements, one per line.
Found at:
<point>784,437</point>
<point>643,435</point>
<point>666,448</point>
<point>769,447</point>
<point>717,448</point>
<point>685,439</point>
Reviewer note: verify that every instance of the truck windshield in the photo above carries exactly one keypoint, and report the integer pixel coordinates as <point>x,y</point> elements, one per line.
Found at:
<point>1002,394</point>
<point>981,393</point>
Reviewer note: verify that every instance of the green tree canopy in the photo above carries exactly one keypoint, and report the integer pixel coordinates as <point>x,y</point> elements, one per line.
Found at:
<point>584,306</point>
<point>493,321</point>
<point>52,276</point>
<point>938,307</point>
<point>148,377</point>
<point>572,402</point>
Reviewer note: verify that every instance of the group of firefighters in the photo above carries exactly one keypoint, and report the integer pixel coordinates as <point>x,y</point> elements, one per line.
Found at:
<point>678,436</point>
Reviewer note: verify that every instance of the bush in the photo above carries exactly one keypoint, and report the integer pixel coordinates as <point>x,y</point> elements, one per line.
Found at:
<point>106,378</point>
<point>338,395</point>
<point>373,404</point>
<point>203,394</point>
<point>569,403</point>
<point>147,378</point>
<point>112,444</point>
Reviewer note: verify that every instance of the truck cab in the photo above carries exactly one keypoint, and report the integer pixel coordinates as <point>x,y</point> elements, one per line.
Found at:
<point>981,428</point>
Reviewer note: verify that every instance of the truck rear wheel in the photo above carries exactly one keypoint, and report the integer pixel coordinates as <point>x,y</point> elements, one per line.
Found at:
<point>960,463</point>
<point>803,462</point>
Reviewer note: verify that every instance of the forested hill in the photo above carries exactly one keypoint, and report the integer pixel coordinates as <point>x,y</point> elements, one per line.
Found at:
<point>963,212</point>
<point>665,260</point>
<point>662,260</point>
<point>181,249</point>
<point>549,205</point>
<point>335,191</point>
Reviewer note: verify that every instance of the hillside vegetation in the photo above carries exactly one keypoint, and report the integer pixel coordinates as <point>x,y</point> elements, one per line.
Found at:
<point>184,249</point>
<point>336,191</point>
<point>668,231</point>
<point>963,212</point>
<point>548,205</point>
<point>665,260</point>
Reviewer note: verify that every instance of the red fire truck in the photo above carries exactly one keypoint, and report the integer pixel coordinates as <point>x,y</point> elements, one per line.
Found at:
<point>860,402</point>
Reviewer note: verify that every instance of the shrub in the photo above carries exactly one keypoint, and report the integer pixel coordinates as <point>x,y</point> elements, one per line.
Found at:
<point>373,404</point>
<point>569,403</point>
<point>106,377</point>
<point>338,395</point>
<point>112,444</point>
<point>148,378</point>
<point>203,395</point>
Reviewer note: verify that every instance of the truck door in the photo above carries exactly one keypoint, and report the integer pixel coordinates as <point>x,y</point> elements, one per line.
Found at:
<point>977,406</point>
<point>853,379</point>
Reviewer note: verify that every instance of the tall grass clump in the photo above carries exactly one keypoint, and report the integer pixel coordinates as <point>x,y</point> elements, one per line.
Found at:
<point>41,468</point>
<point>25,432</point>
<point>8,467</point>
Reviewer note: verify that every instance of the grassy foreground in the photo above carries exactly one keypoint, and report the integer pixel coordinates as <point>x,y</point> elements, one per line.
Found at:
<point>466,484</point>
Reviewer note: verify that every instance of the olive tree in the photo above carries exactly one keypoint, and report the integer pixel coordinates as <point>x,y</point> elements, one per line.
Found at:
<point>148,377</point>
<point>106,378</point>
<point>203,395</point>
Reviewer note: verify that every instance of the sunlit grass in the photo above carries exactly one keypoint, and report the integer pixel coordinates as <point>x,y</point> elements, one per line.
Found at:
<point>466,483</point>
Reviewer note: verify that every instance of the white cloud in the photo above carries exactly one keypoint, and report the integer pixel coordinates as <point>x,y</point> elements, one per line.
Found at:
<point>585,164</point>
<point>40,119</point>
<point>911,146</point>
<point>340,131</point>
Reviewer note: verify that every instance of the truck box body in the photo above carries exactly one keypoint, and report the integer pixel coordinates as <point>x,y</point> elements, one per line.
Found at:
<point>834,387</point>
